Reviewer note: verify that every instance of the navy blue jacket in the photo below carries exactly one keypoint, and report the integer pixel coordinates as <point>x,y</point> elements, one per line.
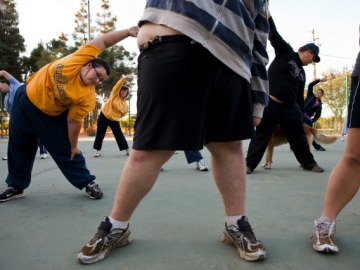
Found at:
<point>309,109</point>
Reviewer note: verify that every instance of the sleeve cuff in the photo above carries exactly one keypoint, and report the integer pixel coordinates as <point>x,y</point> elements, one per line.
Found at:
<point>258,110</point>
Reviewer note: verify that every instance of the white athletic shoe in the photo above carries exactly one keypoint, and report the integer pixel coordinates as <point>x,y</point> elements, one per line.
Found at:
<point>323,237</point>
<point>43,156</point>
<point>200,165</point>
<point>4,158</point>
<point>97,153</point>
<point>128,151</point>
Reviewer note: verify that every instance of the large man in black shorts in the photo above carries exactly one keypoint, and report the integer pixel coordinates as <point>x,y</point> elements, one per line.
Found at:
<point>202,80</point>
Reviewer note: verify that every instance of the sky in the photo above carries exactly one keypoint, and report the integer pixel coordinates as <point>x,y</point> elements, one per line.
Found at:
<point>335,24</point>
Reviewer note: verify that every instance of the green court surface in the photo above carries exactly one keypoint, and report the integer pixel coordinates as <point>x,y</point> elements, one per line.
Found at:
<point>179,224</point>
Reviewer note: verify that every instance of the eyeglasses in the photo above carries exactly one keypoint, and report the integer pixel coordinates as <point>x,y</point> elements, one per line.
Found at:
<point>98,75</point>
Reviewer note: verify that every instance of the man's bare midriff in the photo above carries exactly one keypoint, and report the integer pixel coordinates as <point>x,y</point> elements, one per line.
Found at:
<point>148,31</point>
<point>275,99</point>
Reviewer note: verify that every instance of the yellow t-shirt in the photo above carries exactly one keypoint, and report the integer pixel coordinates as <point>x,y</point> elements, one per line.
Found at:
<point>58,86</point>
<point>115,108</point>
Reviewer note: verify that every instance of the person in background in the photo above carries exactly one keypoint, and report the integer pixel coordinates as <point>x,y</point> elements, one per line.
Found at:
<point>344,129</point>
<point>286,104</point>
<point>51,107</point>
<point>313,108</point>
<point>114,109</point>
<point>8,85</point>
<point>195,156</point>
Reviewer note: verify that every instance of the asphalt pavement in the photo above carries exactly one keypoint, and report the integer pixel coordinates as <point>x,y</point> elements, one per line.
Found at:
<point>179,224</point>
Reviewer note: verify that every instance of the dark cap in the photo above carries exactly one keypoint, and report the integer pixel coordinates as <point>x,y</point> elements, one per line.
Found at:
<point>315,49</point>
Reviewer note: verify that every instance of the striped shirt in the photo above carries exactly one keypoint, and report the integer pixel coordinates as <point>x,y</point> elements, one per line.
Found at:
<point>235,32</point>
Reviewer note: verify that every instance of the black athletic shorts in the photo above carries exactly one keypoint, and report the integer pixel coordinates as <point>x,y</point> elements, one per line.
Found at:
<point>188,98</point>
<point>354,104</point>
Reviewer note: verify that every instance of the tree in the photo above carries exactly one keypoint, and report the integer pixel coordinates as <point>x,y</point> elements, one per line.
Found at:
<point>11,42</point>
<point>121,61</point>
<point>335,93</point>
<point>105,20</point>
<point>45,53</point>
<point>81,32</point>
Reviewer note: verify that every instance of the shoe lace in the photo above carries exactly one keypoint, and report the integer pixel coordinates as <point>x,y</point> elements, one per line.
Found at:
<point>245,230</point>
<point>323,229</point>
<point>94,187</point>
<point>103,230</point>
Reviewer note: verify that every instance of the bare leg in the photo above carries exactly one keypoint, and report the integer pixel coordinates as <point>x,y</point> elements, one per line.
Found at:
<point>228,163</point>
<point>138,177</point>
<point>344,180</point>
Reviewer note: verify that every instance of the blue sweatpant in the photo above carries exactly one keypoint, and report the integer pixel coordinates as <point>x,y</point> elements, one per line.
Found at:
<point>192,156</point>
<point>27,125</point>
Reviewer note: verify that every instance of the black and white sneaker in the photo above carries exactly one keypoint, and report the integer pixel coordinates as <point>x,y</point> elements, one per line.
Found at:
<point>11,193</point>
<point>104,241</point>
<point>244,240</point>
<point>93,191</point>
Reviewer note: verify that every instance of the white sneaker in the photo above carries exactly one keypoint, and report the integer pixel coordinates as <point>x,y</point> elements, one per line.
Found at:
<point>97,153</point>
<point>128,151</point>
<point>4,158</point>
<point>342,138</point>
<point>323,237</point>
<point>200,165</point>
<point>43,156</point>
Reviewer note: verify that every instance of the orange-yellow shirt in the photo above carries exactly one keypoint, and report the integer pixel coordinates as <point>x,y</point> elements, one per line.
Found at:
<point>58,86</point>
<point>115,107</point>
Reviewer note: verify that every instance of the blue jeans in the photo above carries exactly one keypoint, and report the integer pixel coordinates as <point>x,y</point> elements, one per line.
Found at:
<point>193,156</point>
<point>27,125</point>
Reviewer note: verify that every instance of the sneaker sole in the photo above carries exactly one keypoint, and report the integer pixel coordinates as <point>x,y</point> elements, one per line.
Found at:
<point>228,241</point>
<point>93,198</point>
<point>202,170</point>
<point>13,197</point>
<point>93,259</point>
<point>326,249</point>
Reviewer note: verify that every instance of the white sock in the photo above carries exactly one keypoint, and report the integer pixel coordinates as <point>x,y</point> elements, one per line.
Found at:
<point>118,224</point>
<point>232,220</point>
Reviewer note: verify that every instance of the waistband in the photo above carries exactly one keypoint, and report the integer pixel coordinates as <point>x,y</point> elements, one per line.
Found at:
<point>280,104</point>
<point>164,39</point>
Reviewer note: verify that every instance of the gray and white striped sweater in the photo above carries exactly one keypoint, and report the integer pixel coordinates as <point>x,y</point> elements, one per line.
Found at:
<point>234,31</point>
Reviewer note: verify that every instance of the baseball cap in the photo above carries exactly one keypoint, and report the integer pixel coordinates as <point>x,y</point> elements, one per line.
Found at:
<point>315,49</point>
